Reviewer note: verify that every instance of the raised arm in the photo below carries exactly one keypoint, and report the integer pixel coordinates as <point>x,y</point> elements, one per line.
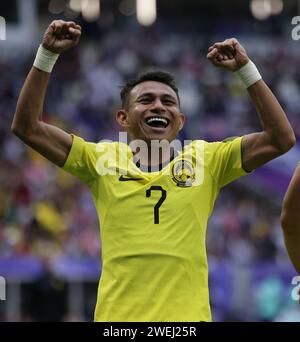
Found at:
<point>290,219</point>
<point>50,141</point>
<point>277,136</point>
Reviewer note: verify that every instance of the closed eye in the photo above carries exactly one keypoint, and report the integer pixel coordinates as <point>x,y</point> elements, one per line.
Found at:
<point>168,100</point>
<point>169,103</point>
<point>165,102</point>
<point>145,101</point>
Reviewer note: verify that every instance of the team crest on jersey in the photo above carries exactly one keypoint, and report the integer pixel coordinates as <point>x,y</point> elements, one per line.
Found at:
<point>183,173</point>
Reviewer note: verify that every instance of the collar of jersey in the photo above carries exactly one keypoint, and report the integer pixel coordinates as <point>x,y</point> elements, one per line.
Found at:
<point>143,170</point>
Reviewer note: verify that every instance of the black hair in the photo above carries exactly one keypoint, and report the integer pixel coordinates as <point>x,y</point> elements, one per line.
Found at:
<point>155,75</point>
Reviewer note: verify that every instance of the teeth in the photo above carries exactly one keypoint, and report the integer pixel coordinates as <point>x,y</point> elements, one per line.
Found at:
<point>158,119</point>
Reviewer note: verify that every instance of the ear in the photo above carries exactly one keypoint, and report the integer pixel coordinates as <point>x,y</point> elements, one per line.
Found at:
<point>182,121</point>
<point>122,118</point>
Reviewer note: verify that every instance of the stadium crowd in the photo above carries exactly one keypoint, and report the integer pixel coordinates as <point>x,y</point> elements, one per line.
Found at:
<point>46,214</point>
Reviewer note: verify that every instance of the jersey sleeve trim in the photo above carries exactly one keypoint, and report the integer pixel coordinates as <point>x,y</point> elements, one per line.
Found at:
<point>237,145</point>
<point>74,154</point>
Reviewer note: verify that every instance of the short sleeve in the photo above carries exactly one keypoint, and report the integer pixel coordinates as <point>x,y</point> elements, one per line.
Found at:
<point>226,161</point>
<point>81,161</point>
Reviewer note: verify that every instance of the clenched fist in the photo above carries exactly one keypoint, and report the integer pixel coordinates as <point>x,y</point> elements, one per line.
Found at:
<point>228,54</point>
<point>61,36</point>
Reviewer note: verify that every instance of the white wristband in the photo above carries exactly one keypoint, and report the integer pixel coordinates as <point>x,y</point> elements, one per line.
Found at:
<point>248,74</point>
<point>45,59</point>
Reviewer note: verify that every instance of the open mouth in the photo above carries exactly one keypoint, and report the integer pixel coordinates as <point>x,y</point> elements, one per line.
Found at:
<point>157,122</point>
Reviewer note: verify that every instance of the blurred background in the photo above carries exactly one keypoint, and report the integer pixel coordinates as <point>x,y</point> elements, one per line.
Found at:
<point>50,251</point>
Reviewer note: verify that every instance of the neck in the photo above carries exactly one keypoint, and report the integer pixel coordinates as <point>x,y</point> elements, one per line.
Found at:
<point>153,157</point>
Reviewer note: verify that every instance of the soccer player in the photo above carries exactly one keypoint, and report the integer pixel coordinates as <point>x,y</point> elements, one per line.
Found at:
<point>290,219</point>
<point>153,224</point>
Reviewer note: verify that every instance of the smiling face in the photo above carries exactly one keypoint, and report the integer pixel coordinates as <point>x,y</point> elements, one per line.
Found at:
<point>152,112</point>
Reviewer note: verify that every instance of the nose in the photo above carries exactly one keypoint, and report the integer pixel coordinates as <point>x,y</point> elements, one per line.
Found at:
<point>157,107</point>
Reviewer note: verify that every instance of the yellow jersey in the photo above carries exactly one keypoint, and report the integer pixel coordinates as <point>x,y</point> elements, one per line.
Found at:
<point>153,227</point>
